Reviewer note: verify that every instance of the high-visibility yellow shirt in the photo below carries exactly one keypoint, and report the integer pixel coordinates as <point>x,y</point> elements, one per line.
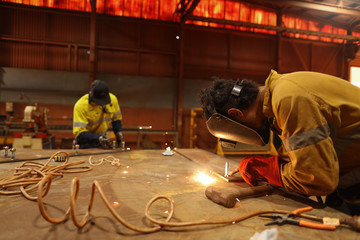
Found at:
<point>89,117</point>
<point>318,116</point>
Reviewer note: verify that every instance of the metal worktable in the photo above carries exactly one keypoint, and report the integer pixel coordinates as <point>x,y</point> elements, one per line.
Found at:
<point>142,175</point>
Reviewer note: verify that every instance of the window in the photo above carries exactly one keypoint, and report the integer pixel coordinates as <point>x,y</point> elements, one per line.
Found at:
<point>355,76</point>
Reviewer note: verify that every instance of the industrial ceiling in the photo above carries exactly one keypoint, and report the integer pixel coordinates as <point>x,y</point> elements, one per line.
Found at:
<point>339,13</point>
<point>344,15</point>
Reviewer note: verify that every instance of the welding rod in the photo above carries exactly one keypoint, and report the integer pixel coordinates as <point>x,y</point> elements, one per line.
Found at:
<point>227,167</point>
<point>219,176</point>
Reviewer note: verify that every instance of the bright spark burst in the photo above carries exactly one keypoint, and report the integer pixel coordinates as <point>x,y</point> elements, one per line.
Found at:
<point>203,178</point>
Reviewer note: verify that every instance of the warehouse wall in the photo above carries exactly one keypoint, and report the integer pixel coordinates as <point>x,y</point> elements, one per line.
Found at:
<point>45,57</point>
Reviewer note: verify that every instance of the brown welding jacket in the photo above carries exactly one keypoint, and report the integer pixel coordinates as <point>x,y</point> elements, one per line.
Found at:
<point>318,116</point>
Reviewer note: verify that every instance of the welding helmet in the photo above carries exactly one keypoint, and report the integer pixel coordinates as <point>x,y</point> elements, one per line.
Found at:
<point>230,132</point>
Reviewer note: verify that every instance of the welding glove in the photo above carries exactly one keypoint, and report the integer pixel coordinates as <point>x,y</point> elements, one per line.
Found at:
<point>120,139</point>
<point>105,142</point>
<point>259,168</point>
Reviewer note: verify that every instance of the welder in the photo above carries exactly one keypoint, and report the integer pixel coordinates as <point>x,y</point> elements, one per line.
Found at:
<point>94,113</point>
<point>317,117</point>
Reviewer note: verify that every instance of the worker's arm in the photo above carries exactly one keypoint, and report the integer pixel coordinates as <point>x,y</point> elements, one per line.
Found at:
<point>80,117</point>
<point>80,121</point>
<point>115,108</point>
<point>117,126</point>
<point>313,168</point>
<point>260,168</point>
<point>116,120</point>
<point>116,116</point>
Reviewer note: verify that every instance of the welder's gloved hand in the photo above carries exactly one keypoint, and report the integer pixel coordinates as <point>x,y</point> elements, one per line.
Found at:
<point>120,139</point>
<point>105,142</point>
<point>258,168</point>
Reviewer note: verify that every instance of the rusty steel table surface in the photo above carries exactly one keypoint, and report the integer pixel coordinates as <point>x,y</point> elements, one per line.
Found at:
<point>142,175</point>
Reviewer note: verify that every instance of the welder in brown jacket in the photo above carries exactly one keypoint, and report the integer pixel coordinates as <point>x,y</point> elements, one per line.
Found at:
<point>317,117</point>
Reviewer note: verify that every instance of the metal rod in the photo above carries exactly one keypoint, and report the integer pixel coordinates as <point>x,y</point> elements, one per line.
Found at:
<point>227,167</point>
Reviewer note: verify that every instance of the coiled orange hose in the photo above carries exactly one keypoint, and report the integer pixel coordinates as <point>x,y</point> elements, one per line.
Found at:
<point>28,175</point>
<point>71,212</point>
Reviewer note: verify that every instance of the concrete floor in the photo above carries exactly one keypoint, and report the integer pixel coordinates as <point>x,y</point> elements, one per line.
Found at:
<point>142,175</point>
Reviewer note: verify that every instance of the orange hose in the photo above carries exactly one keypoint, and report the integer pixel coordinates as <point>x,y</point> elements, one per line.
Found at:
<point>28,175</point>
<point>71,212</point>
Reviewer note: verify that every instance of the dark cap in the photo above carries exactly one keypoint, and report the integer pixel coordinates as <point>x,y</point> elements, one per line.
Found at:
<point>100,92</point>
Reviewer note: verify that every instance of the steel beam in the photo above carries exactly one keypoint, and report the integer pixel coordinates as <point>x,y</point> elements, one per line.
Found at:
<point>273,28</point>
<point>309,5</point>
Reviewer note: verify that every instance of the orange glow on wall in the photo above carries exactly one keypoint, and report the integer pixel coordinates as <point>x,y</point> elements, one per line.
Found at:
<point>231,10</point>
<point>297,23</point>
<point>218,9</point>
<point>357,34</point>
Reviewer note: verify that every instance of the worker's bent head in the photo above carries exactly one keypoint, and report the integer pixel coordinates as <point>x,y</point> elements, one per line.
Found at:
<point>223,95</point>
<point>100,93</point>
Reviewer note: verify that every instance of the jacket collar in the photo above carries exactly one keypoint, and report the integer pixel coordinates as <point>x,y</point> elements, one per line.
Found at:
<point>269,85</point>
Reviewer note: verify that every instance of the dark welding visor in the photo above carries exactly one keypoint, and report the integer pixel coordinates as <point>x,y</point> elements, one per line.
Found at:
<point>226,128</point>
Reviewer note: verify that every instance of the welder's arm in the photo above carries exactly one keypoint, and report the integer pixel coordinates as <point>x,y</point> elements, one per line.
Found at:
<point>313,168</point>
<point>117,124</point>
<point>117,128</point>
<point>259,168</point>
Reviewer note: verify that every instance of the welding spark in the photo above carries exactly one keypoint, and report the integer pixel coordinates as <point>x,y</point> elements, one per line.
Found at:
<point>203,178</point>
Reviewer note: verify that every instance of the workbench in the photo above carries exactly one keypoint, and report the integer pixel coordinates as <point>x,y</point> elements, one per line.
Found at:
<point>142,175</point>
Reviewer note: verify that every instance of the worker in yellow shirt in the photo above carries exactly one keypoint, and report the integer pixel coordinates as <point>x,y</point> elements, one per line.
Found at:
<point>93,114</point>
<point>317,117</point>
